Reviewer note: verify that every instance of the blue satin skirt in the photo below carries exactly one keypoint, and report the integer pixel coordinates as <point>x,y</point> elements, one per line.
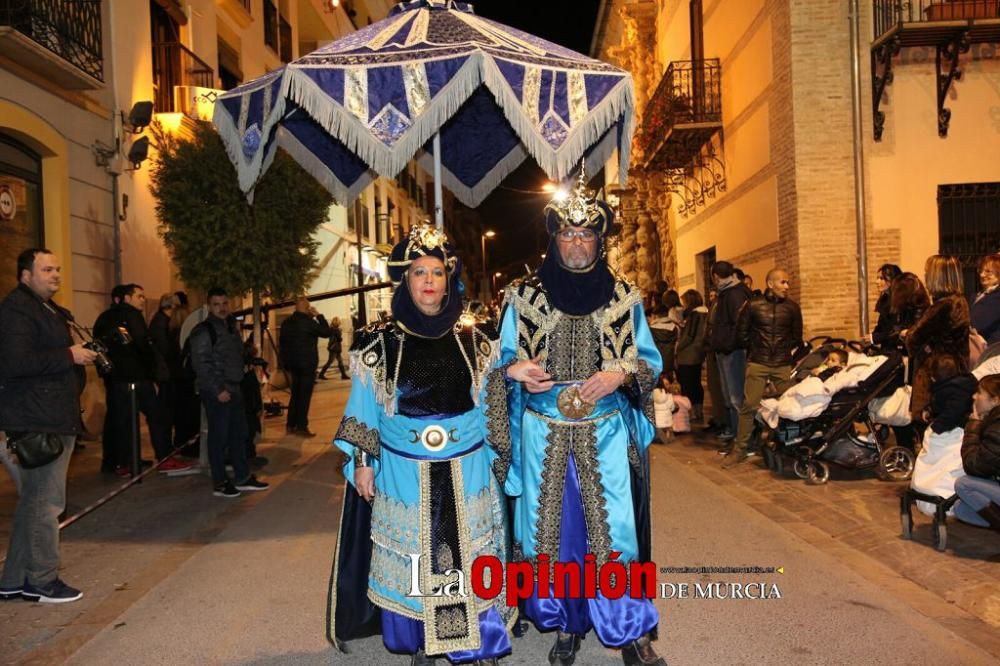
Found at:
<point>616,622</point>
<point>406,636</point>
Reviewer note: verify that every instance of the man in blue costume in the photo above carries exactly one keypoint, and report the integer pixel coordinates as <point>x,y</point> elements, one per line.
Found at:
<point>581,365</point>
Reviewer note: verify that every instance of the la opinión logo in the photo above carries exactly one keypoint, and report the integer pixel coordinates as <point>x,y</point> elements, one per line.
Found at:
<point>566,580</point>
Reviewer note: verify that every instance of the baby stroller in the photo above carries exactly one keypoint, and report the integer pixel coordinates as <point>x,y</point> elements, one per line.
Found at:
<point>833,436</point>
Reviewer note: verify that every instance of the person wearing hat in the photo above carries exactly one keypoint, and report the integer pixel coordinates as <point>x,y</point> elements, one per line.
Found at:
<point>422,500</point>
<point>582,366</point>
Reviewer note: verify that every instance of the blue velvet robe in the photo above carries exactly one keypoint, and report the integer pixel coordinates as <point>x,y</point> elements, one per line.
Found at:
<point>581,486</point>
<point>437,498</point>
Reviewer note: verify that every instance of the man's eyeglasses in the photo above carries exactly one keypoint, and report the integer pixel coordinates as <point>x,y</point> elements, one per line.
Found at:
<point>568,235</point>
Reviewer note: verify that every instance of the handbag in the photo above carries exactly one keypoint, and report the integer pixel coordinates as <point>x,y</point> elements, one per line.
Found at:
<point>35,449</point>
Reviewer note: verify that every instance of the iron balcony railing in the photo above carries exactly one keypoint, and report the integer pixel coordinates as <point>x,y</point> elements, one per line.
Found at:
<point>689,93</point>
<point>176,65</point>
<point>888,14</point>
<point>71,29</point>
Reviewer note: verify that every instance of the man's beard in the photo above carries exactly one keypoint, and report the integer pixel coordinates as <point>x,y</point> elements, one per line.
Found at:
<point>578,258</point>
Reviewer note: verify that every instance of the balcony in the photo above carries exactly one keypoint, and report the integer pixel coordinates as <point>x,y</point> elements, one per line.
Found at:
<point>177,67</point>
<point>58,39</point>
<point>683,114</point>
<point>951,26</point>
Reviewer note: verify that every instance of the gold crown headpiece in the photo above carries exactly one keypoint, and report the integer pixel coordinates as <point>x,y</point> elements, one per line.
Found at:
<point>424,240</point>
<point>578,208</point>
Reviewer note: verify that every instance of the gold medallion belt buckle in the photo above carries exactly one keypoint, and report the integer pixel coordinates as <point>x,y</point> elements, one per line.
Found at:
<point>571,405</point>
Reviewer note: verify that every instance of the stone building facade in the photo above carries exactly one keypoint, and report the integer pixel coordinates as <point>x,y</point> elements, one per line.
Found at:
<point>785,148</point>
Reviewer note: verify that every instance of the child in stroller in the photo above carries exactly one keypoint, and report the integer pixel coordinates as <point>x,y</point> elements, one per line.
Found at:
<point>826,429</point>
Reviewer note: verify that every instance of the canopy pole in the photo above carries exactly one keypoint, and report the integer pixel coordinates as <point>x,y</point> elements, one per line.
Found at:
<point>438,209</point>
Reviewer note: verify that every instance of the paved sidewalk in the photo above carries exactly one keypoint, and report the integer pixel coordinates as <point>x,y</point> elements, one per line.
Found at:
<point>856,516</point>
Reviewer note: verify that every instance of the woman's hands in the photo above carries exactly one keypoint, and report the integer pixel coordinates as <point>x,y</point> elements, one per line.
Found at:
<point>364,481</point>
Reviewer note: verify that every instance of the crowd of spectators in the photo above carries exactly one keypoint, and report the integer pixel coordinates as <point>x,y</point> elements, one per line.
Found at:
<point>750,339</point>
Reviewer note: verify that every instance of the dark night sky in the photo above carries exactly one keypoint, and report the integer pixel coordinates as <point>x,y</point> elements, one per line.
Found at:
<point>517,216</point>
<point>566,22</point>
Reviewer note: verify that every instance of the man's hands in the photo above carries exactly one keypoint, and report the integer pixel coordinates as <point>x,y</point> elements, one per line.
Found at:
<point>536,380</point>
<point>225,396</point>
<point>602,383</point>
<point>364,481</point>
<point>82,356</point>
<point>531,374</point>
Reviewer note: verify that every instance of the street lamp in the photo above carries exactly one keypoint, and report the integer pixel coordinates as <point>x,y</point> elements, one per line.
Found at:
<point>489,233</point>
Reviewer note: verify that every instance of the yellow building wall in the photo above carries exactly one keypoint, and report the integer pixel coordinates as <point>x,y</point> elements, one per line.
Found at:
<point>906,167</point>
<point>145,259</point>
<point>46,140</point>
<point>75,200</point>
<point>743,219</point>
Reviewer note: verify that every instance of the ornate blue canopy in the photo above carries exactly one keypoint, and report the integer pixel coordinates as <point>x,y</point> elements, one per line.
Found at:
<point>366,104</point>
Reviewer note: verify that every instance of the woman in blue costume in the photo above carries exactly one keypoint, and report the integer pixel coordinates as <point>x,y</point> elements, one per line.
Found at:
<point>582,365</point>
<point>422,497</point>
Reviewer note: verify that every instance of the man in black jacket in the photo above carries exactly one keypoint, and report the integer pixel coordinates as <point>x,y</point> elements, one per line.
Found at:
<point>109,448</point>
<point>41,376</point>
<point>300,357</point>
<point>134,366</point>
<point>167,355</point>
<point>217,357</point>
<point>770,327</point>
<point>729,351</point>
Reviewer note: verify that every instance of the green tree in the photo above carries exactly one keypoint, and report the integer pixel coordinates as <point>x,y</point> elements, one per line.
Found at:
<point>215,237</point>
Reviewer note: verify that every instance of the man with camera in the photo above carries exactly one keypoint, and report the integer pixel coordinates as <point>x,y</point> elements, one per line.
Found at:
<point>123,329</point>
<point>41,377</point>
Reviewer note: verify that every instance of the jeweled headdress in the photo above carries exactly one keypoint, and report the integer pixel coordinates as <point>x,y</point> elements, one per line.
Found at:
<point>579,208</point>
<point>424,240</point>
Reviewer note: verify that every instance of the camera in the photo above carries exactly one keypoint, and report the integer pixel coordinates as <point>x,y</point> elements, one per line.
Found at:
<point>102,362</point>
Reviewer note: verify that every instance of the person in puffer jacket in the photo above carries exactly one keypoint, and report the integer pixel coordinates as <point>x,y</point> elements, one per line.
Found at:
<point>770,327</point>
<point>979,490</point>
<point>939,463</point>
<point>691,351</point>
<point>663,411</point>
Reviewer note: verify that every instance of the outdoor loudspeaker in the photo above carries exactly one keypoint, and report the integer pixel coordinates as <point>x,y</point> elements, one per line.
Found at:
<point>138,152</point>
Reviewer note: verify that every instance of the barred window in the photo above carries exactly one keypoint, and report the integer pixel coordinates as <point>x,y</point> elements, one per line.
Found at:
<point>969,225</point>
